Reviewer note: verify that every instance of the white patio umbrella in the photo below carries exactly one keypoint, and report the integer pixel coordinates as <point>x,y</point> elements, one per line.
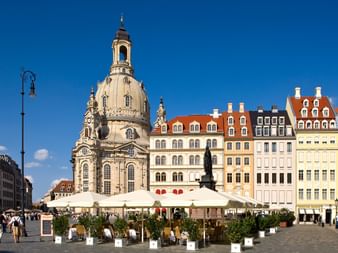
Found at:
<point>83,199</point>
<point>140,198</point>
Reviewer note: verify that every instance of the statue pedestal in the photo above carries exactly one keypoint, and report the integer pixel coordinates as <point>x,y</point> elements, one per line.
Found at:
<point>208,181</point>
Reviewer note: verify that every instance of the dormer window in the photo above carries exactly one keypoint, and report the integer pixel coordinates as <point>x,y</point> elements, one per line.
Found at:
<point>324,124</point>
<point>244,131</point>
<point>332,124</point>
<point>306,103</point>
<point>288,130</point>
<point>326,112</point>
<point>258,131</point>
<point>194,128</point>
<point>308,124</point>
<point>315,112</point>
<point>242,120</point>
<point>178,128</point>
<point>304,112</point>
<point>164,129</point>
<point>274,121</point>
<point>267,120</point>
<point>281,120</point>
<point>316,103</point>
<point>212,127</point>
<point>260,120</point>
<point>231,131</point>
<point>266,131</point>
<point>316,125</point>
<point>301,124</point>
<point>230,121</point>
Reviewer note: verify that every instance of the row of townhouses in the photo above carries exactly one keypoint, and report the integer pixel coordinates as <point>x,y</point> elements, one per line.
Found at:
<point>284,158</point>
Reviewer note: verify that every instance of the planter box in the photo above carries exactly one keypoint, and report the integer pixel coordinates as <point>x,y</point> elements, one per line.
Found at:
<point>154,244</point>
<point>272,231</point>
<point>248,242</point>
<point>283,224</point>
<point>119,242</point>
<point>58,239</point>
<point>261,234</point>
<point>235,248</point>
<point>192,245</point>
<point>91,241</point>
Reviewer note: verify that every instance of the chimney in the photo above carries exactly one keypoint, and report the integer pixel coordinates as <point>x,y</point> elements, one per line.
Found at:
<point>241,107</point>
<point>229,107</point>
<point>260,109</point>
<point>215,113</point>
<point>297,93</point>
<point>318,92</point>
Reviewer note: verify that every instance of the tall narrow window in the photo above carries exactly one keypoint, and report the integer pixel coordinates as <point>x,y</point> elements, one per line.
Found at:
<point>85,186</point>
<point>163,144</point>
<point>180,177</point>
<point>175,177</point>
<point>157,177</point>
<point>131,178</point>
<point>174,144</point>
<point>106,172</point>
<point>214,159</point>
<point>163,177</point>
<point>180,144</point>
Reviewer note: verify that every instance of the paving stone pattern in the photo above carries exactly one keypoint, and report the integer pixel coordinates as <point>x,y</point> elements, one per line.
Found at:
<point>297,239</point>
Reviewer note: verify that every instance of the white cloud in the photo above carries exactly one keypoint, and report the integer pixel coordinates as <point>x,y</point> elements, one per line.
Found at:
<point>64,168</point>
<point>32,165</point>
<point>3,148</point>
<point>30,178</point>
<point>41,154</point>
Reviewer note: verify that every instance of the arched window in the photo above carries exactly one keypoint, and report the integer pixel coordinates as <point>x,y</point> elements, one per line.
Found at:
<point>197,159</point>
<point>242,120</point>
<point>326,112</point>
<point>174,143</point>
<point>180,177</point>
<point>304,112</point>
<point>197,143</point>
<point>163,144</point>
<point>163,177</point>
<point>324,124</point>
<point>306,103</point>
<point>164,128</point>
<point>180,160</point>
<point>316,125</point>
<point>157,177</point>
<point>163,160</point>
<point>314,112</point>
<point>230,121</point>
<point>209,143</point>
<point>197,127</point>
<point>214,159</point>
<point>127,100</point>
<point>244,131</point>
<point>157,160</point>
<point>332,124</point>
<point>301,124</point>
<point>85,171</point>
<point>191,144</point>
<point>157,144</point>
<point>191,160</point>
<point>130,134</point>
<point>106,172</point>
<point>174,160</point>
<point>231,131</point>
<point>308,124</point>
<point>123,54</point>
<point>316,103</point>
<point>175,177</point>
<point>214,143</point>
<point>180,144</point>
<point>131,178</point>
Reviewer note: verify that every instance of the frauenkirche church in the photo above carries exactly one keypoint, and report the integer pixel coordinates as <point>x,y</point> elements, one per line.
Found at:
<point>111,156</point>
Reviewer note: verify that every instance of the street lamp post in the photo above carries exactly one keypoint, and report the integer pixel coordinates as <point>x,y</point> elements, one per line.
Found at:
<point>25,75</point>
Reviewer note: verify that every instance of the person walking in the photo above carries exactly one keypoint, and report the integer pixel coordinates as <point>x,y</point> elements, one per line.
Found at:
<point>16,225</point>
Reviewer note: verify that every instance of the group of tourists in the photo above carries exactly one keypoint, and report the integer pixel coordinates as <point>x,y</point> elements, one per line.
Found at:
<point>14,223</point>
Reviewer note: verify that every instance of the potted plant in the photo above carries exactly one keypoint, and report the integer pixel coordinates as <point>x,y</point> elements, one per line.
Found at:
<point>235,235</point>
<point>60,226</point>
<point>249,229</point>
<point>286,218</point>
<point>262,222</point>
<point>120,226</point>
<point>155,225</point>
<point>192,228</point>
<point>93,226</point>
<point>274,222</point>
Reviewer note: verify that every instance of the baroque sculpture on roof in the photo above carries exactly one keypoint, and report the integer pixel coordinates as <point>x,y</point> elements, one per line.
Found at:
<point>111,155</point>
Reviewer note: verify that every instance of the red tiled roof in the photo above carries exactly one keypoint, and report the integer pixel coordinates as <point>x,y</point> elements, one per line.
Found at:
<point>203,120</point>
<point>297,105</point>
<point>66,186</point>
<point>237,115</point>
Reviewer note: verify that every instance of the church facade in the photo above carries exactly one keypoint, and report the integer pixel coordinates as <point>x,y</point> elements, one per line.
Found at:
<point>111,156</point>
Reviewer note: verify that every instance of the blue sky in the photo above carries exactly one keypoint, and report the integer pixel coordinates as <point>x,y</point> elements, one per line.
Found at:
<point>198,55</point>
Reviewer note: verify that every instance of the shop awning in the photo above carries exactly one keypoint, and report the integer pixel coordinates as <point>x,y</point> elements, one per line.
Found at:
<point>309,211</point>
<point>301,211</point>
<point>317,211</point>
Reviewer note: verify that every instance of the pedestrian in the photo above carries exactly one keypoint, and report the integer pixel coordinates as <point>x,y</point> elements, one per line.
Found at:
<point>16,225</point>
<point>2,220</point>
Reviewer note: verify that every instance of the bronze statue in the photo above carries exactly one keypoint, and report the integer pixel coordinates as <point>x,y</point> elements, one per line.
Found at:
<point>207,162</point>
